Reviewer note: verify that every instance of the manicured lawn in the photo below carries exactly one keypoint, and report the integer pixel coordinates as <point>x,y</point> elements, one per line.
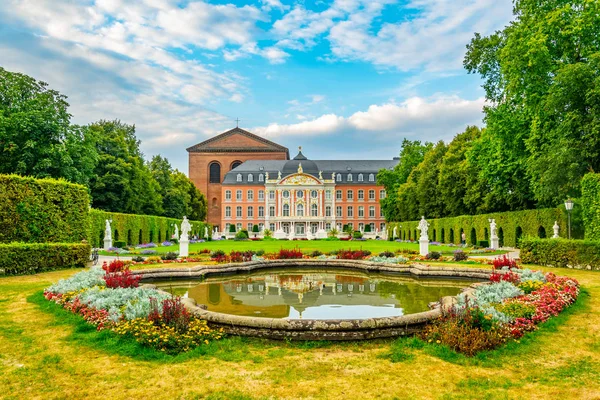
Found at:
<point>270,246</point>
<point>48,354</point>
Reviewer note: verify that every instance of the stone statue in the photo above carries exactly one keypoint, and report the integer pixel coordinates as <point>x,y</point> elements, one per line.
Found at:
<point>176,231</point>
<point>556,229</point>
<point>266,176</point>
<point>333,176</point>
<point>300,170</point>
<point>395,233</point>
<point>206,232</point>
<point>423,227</point>
<point>321,175</point>
<point>278,174</point>
<point>493,228</point>
<point>186,227</point>
<point>108,231</point>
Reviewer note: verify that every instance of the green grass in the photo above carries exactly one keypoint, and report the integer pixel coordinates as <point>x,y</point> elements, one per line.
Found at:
<point>271,246</point>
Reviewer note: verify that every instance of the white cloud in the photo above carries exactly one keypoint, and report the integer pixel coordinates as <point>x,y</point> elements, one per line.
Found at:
<point>436,116</point>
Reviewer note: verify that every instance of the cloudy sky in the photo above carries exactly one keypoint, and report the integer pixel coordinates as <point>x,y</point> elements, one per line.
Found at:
<point>342,78</point>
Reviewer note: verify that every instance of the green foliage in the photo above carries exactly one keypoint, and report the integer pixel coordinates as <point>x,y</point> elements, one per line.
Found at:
<point>232,228</point>
<point>367,228</point>
<point>42,210</point>
<point>255,228</point>
<point>33,258</point>
<point>483,243</point>
<point>136,229</point>
<point>510,225</point>
<point>561,253</point>
<point>590,204</point>
<point>242,234</point>
<point>119,243</point>
<point>357,235</point>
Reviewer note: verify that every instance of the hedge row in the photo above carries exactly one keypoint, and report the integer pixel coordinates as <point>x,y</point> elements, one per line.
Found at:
<point>511,226</point>
<point>32,258</point>
<point>42,210</point>
<point>590,203</point>
<point>137,229</point>
<point>561,253</point>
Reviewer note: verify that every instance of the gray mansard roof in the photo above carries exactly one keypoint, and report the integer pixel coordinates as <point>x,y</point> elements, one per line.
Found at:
<point>343,167</point>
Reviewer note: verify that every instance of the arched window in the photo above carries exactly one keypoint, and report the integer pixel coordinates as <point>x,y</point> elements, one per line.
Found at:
<point>214,173</point>
<point>360,177</point>
<point>250,178</point>
<point>371,178</point>
<point>239,177</point>
<point>286,210</point>
<point>214,202</point>
<point>261,178</point>
<point>349,178</point>
<point>314,210</point>
<point>300,210</point>
<point>339,177</point>
<point>235,164</point>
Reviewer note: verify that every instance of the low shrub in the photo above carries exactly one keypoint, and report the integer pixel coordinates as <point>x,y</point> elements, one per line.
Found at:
<point>353,254</point>
<point>33,258</point>
<point>148,252</point>
<point>288,254</point>
<point>561,253</point>
<point>137,259</point>
<point>504,262</point>
<point>316,253</point>
<point>516,309</point>
<point>170,256</point>
<point>260,252</point>
<point>118,275</point>
<point>119,244</point>
<point>239,256</point>
<point>357,235</point>
<point>242,234</point>
<point>483,243</point>
<point>460,255</point>
<point>434,255</point>
<point>387,254</point>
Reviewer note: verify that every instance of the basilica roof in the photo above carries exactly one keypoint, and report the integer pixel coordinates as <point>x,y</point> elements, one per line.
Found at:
<point>348,169</point>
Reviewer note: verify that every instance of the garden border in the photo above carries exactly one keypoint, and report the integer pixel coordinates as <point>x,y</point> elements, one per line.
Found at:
<point>308,329</point>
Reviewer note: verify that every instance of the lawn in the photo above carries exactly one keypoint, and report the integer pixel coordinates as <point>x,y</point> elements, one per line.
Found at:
<point>44,354</point>
<point>271,246</point>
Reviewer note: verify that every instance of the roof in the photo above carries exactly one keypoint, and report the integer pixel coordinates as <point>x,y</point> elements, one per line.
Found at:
<point>343,167</point>
<point>212,145</point>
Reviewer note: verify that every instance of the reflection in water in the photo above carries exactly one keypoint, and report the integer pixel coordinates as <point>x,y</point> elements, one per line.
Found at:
<point>316,295</point>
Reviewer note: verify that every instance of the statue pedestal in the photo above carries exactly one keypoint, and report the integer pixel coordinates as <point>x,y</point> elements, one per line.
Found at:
<point>423,247</point>
<point>184,248</point>
<point>495,243</point>
<point>107,244</point>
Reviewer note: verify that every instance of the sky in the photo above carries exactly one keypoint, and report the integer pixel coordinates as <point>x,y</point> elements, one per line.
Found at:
<point>344,79</point>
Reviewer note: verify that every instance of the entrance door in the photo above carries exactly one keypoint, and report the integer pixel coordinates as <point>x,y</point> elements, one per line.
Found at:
<point>300,228</point>
<point>286,227</point>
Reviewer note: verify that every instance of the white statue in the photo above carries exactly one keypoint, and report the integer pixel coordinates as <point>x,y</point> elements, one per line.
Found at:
<point>321,175</point>
<point>395,233</point>
<point>493,230</point>
<point>107,231</point>
<point>333,176</point>
<point>186,227</point>
<point>278,174</point>
<point>206,232</point>
<point>176,231</point>
<point>423,227</point>
<point>266,176</point>
<point>494,235</point>
<point>556,229</point>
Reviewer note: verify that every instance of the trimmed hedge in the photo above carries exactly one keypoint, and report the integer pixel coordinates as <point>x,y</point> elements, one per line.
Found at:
<point>561,253</point>
<point>590,202</point>
<point>510,225</point>
<point>32,258</point>
<point>42,210</point>
<point>137,229</point>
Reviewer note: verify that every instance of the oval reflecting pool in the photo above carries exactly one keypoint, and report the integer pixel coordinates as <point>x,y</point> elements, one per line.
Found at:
<point>331,294</point>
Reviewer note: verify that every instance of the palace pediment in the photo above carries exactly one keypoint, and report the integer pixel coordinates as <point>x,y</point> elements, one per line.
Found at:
<point>300,179</point>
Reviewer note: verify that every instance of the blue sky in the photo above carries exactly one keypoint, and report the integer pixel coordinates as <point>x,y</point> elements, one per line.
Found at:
<point>344,79</point>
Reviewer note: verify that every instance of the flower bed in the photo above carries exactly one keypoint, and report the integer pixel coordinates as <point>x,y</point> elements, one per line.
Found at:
<point>110,298</point>
<point>515,302</point>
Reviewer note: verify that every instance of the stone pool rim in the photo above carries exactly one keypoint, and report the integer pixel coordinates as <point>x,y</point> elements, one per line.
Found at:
<point>312,329</point>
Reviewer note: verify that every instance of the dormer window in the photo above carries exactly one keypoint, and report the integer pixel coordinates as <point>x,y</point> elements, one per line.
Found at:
<point>349,178</point>
<point>261,178</point>
<point>239,177</point>
<point>338,177</point>
<point>360,177</point>
<point>250,178</point>
<point>371,178</point>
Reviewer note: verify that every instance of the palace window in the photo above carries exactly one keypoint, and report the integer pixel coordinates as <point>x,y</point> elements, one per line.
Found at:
<point>239,177</point>
<point>286,210</point>
<point>361,212</point>
<point>350,211</point>
<point>261,211</point>
<point>338,195</point>
<point>271,211</point>
<point>238,195</point>
<point>328,195</point>
<point>351,225</point>
<point>372,211</point>
<point>328,226</point>
<point>314,211</point>
<point>250,195</point>
<point>371,194</point>
<point>314,194</point>
<point>382,226</point>
<point>250,212</point>
<point>261,194</point>
<point>250,178</point>
<point>371,178</point>
<point>360,177</point>
<point>361,194</point>
<point>338,211</point>
<point>300,210</point>
<point>286,194</point>
<point>328,211</point>
<point>250,226</point>
<point>228,212</point>
<point>261,178</point>
<point>338,177</point>
<point>271,195</point>
<point>228,195</point>
<point>372,225</point>
<point>349,178</point>
<point>214,175</point>
<point>350,195</point>
<point>382,194</point>
<point>272,227</point>
<point>361,226</point>
<point>238,226</point>
<point>235,164</point>
<point>238,212</point>
<point>299,194</point>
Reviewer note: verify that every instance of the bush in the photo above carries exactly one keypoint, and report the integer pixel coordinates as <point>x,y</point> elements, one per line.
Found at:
<point>287,254</point>
<point>33,258</point>
<point>255,228</point>
<point>368,228</point>
<point>504,261</point>
<point>316,253</point>
<point>267,233</point>
<point>243,234</point>
<point>434,255</point>
<point>387,254</point>
<point>590,204</point>
<point>118,275</point>
<point>137,259</point>
<point>217,253</point>
<point>484,243</point>
<point>232,228</point>
<point>120,244</point>
<point>357,235</point>
<point>561,253</point>
<point>353,254</point>
<point>460,255</point>
<point>170,256</point>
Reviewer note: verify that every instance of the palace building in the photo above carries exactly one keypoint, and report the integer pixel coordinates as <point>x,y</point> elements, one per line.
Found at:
<point>249,181</point>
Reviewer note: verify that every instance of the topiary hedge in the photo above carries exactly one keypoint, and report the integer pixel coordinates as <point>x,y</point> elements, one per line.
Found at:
<point>32,258</point>
<point>590,204</point>
<point>137,229</point>
<point>510,225</point>
<point>42,210</point>
<point>561,253</point>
